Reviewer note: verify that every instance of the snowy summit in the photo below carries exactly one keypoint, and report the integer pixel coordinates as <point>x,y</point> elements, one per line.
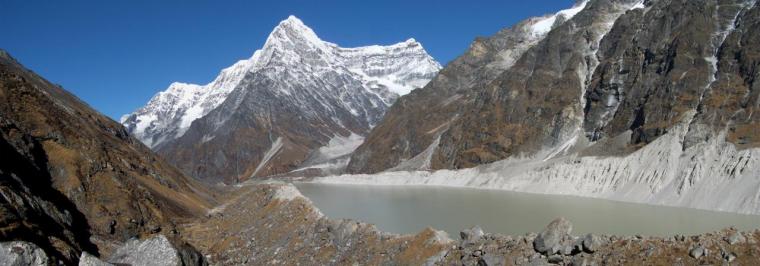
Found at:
<point>396,69</point>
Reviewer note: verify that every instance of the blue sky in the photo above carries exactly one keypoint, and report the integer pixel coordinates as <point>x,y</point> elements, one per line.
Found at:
<point>116,55</point>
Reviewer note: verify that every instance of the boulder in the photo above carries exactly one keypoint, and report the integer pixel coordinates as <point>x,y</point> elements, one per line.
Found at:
<point>157,250</point>
<point>439,238</point>
<point>580,261</point>
<point>550,240</point>
<point>697,252</point>
<point>437,258</point>
<point>21,253</point>
<point>735,238</point>
<point>471,235</point>
<point>568,249</point>
<point>555,259</point>
<point>343,231</point>
<point>491,260</point>
<point>728,256</point>
<point>578,245</point>
<point>651,250</point>
<point>591,243</point>
<point>89,260</point>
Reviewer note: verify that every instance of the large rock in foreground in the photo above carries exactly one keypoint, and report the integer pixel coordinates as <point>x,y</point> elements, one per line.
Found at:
<point>20,253</point>
<point>157,251</point>
<point>551,239</point>
<point>89,260</point>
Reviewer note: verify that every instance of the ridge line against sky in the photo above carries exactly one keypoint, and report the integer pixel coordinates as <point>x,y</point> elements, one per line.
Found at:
<point>116,55</point>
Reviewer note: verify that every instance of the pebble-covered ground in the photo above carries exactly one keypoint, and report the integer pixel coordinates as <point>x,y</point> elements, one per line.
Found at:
<point>274,224</point>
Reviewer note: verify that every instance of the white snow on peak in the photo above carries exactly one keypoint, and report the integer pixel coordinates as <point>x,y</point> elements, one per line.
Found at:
<point>276,146</point>
<point>170,113</point>
<point>340,146</point>
<point>544,24</point>
<point>377,67</point>
<point>293,29</point>
<point>374,64</point>
<point>639,5</point>
<point>398,68</point>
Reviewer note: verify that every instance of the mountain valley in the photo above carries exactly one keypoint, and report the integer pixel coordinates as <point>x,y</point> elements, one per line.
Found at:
<point>633,101</point>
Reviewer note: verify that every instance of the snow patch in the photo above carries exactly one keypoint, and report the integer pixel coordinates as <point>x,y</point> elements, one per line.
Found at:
<point>340,146</point>
<point>639,5</point>
<point>562,149</point>
<point>421,161</point>
<point>337,164</point>
<point>545,24</point>
<point>207,138</point>
<point>276,146</point>
<point>143,122</point>
<point>333,157</point>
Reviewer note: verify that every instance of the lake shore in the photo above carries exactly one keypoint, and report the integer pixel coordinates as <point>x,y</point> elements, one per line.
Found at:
<point>275,223</point>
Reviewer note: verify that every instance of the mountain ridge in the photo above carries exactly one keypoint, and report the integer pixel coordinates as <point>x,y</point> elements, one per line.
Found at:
<point>639,101</point>
<point>169,113</point>
<point>294,95</point>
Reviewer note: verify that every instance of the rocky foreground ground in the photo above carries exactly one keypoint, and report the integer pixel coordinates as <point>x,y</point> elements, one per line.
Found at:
<point>269,224</point>
<point>275,224</point>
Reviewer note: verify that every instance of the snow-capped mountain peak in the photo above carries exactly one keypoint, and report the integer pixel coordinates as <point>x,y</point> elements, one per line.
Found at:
<point>388,71</point>
<point>293,29</point>
<point>545,24</point>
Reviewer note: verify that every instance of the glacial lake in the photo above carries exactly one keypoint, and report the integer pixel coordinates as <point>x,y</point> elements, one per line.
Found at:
<point>410,209</point>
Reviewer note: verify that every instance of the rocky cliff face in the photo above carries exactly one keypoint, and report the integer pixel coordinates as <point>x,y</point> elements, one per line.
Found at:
<point>73,180</point>
<point>299,102</point>
<point>616,69</point>
<point>410,132</point>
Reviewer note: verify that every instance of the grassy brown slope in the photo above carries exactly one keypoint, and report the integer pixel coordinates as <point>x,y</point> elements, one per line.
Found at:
<point>106,185</point>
